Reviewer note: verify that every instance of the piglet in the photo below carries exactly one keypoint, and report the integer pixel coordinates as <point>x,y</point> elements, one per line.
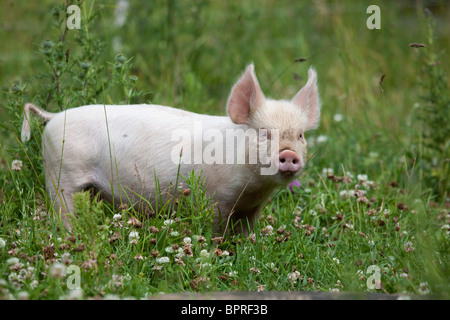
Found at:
<point>118,150</point>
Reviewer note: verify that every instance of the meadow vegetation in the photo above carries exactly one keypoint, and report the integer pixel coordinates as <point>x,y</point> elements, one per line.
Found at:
<point>375,191</point>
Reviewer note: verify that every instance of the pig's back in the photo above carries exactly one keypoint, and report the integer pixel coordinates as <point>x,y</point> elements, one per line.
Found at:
<point>104,119</point>
<point>139,138</point>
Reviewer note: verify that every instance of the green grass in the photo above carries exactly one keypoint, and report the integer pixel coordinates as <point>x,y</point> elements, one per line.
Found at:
<point>188,54</point>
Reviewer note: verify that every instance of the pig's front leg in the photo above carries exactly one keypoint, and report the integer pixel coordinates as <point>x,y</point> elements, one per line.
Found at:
<point>237,221</point>
<point>244,221</point>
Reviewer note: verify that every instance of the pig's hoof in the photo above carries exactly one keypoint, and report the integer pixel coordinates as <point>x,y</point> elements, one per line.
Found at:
<point>294,185</point>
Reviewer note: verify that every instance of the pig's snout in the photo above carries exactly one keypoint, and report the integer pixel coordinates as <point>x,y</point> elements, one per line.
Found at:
<point>289,162</point>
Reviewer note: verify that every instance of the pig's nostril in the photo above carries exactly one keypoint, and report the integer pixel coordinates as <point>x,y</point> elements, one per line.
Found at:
<point>282,160</point>
<point>294,161</point>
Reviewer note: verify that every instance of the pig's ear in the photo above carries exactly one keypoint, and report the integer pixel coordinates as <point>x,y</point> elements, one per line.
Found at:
<point>308,100</point>
<point>246,96</point>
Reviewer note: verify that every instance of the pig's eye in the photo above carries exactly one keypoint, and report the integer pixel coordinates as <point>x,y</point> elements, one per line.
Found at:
<point>300,137</point>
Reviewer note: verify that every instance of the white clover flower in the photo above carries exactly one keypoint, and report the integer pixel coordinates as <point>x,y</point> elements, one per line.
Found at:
<point>116,280</point>
<point>409,247</point>
<point>322,138</point>
<point>12,261</point>
<point>134,235</point>
<point>187,240</point>
<point>270,265</point>
<point>254,270</point>
<point>293,276</point>
<point>180,255</point>
<point>58,270</point>
<point>75,294</point>
<point>34,284</point>
<point>362,177</point>
<point>267,230</point>
<point>338,117</point>
<point>369,183</point>
<point>347,194</point>
<point>360,275</point>
<point>336,260</point>
<point>200,239</point>
<point>117,217</point>
<point>16,165</point>
<point>204,254</point>
<point>66,258</point>
<point>168,222</point>
<point>163,260</point>
<point>327,171</point>
<point>127,277</point>
<point>233,273</point>
<point>26,273</point>
<point>2,243</point>
<point>423,288</point>
<point>349,226</point>
<point>169,249</point>
<point>13,278</point>
<point>174,234</point>
<point>23,295</point>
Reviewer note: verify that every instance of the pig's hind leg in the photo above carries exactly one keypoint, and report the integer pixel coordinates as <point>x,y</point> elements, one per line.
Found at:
<point>62,187</point>
<point>244,222</point>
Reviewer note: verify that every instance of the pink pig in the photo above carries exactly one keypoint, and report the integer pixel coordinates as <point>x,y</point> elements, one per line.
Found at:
<point>119,149</point>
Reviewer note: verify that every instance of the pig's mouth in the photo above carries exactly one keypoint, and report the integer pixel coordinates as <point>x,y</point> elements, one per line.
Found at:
<point>288,173</point>
<point>287,176</point>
